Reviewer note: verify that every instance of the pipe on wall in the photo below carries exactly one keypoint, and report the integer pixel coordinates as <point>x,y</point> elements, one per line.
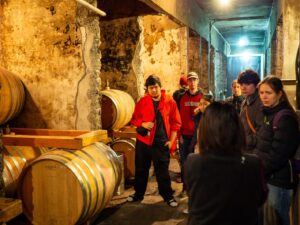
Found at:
<point>91,7</point>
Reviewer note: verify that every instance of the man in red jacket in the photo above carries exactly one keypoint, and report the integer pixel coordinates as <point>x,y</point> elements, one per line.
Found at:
<point>157,120</point>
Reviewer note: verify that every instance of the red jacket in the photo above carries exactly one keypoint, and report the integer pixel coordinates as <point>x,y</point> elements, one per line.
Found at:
<point>144,112</point>
<point>188,103</point>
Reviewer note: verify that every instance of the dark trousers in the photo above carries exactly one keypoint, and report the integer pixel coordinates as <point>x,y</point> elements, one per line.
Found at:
<point>159,154</point>
<point>184,151</point>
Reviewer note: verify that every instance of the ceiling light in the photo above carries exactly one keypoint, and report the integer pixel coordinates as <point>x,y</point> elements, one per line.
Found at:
<point>224,2</point>
<point>243,41</point>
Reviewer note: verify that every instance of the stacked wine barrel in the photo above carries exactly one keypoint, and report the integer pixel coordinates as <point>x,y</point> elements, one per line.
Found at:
<point>69,186</point>
<point>117,108</point>
<point>12,96</point>
<point>15,161</point>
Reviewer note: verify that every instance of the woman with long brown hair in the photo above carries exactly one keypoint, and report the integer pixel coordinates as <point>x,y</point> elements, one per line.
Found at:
<point>277,142</point>
<point>224,185</point>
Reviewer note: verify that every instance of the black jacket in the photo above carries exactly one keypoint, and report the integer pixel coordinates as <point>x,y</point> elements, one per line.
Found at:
<point>236,101</point>
<point>224,190</point>
<point>178,94</point>
<point>276,147</point>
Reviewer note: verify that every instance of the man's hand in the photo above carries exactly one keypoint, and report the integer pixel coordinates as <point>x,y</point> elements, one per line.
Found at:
<point>148,125</point>
<point>181,140</point>
<point>169,144</point>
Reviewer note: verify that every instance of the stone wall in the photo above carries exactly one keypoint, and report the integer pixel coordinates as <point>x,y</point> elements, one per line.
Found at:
<point>220,76</point>
<point>289,10</point>
<point>277,50</point>
<point>204,65</point>
<point>52,46</point>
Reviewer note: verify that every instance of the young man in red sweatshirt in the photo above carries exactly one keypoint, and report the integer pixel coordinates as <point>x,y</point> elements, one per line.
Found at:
<point>157,120</point>
<point>188,103</point>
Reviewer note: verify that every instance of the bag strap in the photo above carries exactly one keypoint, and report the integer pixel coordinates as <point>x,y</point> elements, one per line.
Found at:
<point>278,116</point>
<point>249,122</point>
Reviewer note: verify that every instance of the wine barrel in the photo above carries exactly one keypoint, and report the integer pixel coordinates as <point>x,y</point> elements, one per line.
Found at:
<point>116,109</point>
<point>12,96</point>
<point>126,146</point>
<point>15,160</point>
<point>69,186</point>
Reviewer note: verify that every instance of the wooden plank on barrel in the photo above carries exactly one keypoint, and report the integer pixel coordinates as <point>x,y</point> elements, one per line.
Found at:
<point>42,141</point>
<point>92,137</point>
<point>125,132</point>
<point>48,132</point>
<point>9,208</point>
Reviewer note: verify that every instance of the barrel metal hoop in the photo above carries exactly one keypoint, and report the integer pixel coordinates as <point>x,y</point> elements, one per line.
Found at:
<point>15,162</point>
<point>92,172</point>
<point>123,141</point>
<point>10,171</point>
<point>15,148</point>
<point>101,175</point>
<point>112,157</point>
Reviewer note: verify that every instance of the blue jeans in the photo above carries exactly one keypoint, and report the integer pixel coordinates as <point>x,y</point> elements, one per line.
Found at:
<point>278,205</point>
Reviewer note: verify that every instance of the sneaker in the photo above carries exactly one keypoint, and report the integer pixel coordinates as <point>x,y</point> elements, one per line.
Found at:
<point>134,198</point>
<point>172,203</point>
<point>185,211</point>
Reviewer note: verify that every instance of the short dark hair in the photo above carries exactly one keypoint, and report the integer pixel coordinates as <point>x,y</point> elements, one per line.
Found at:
<point>248,76</point>
<point>221,131</point>
<point>152,80</point>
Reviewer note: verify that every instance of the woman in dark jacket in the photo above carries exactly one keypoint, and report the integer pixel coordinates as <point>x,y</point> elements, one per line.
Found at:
<point>277,142</point>
<point>224,186</point>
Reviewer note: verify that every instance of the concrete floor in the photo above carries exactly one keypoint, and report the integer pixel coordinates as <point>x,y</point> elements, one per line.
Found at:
<point>151,211</point>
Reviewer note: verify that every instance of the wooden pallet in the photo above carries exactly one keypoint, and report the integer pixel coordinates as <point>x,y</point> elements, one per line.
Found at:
<point>71,139</point>
<point>9,209</point>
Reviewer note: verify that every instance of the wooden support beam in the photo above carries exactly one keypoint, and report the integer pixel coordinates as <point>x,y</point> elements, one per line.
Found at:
<point>48,132</point>
<point>42,141</point>
<point>55,139</point>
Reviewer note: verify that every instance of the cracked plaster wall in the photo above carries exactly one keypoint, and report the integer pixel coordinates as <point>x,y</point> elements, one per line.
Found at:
<point>53,47</point>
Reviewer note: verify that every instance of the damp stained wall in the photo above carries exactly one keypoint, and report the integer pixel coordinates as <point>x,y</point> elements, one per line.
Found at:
<point>134,48</point>
<point>277,50</point>
<point>119,46</point>
<point>163,50</point>
<point>291,41</point>
<point>53,47</point>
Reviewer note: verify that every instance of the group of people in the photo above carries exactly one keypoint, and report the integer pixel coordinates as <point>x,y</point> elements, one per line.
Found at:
<point>236,155</point>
